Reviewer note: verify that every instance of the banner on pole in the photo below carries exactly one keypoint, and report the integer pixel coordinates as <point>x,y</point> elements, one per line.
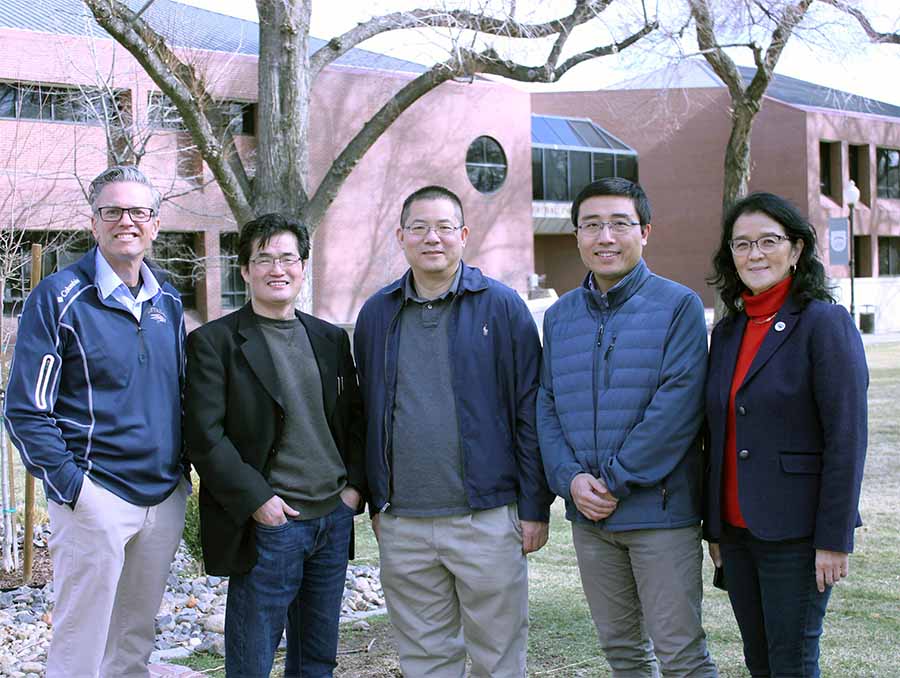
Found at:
<point>839,241</point>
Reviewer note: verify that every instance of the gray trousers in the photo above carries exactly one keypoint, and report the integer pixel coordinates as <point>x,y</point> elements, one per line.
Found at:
<point>453,586</point>
<point>642,585</point>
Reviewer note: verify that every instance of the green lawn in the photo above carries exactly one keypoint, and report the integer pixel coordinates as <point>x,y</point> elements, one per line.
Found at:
<point>862,627</point>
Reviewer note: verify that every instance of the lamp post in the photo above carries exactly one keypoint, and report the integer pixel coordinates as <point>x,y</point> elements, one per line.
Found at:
<point>851,197</point>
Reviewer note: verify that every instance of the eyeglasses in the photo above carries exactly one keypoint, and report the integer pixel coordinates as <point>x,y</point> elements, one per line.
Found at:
<point>767,244</point>
<point>619,226</point>
<point>420,230</point>
<point>138,215</point>
<point>268,261</point>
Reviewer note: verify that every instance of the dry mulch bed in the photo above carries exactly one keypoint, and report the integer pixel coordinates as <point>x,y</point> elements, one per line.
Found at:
<point>41,570</point>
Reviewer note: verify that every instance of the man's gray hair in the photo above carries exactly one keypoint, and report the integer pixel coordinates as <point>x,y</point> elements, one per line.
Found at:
<point>122,173</point>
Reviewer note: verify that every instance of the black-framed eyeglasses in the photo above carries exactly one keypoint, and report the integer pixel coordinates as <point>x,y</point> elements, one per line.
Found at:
<point>767,244</point>
<point>268,261</point>
<point>617,226</point>
<point>419,230</point>
<point>138,215</point>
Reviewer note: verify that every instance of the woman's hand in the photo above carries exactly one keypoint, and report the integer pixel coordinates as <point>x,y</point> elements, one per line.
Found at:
<point>831,567</point>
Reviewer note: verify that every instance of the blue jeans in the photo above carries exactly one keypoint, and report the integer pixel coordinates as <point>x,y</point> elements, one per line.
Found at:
<point>299,575</point>
<point>772,587</point>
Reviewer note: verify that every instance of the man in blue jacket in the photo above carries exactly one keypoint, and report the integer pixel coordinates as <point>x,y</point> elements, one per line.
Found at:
<point>94,407</point>
<point>619,410</point>
<point>448,362</point>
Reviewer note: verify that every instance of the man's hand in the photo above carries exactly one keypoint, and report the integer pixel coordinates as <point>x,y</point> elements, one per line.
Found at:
<point>831,567</point>
<point>534,535</point>
<point>592,497</point>
<point>273,512</point>
<point>376,526</point>
<point>351,497</point>
<point>715,554</point>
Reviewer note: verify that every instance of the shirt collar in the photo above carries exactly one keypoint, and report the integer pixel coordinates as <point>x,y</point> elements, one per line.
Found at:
<point>108,281</point>
<point>410,294</point>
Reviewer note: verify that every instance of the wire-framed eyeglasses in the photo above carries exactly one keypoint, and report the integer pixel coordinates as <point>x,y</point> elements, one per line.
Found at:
<point>767,244</point>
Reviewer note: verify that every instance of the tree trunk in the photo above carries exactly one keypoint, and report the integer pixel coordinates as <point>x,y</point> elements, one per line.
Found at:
<point>282,169</point>
<point>737,154</point>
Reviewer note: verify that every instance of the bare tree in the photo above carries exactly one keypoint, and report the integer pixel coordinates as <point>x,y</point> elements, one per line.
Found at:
<point>776,23</point>
<point>287,73</point>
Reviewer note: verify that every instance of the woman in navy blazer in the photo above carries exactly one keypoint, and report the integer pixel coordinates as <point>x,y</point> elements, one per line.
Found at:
<point>786,409</point>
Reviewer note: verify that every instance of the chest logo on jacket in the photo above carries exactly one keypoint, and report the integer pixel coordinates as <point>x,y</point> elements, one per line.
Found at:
<point>157,315</point>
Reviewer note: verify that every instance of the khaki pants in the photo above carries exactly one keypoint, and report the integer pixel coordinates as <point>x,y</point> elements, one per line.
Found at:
<point>642,585</point>
<point>453,585</point>
<point>111,560</point>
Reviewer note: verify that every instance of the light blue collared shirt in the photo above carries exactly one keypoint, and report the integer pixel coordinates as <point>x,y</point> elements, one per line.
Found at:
<point>110,284</point>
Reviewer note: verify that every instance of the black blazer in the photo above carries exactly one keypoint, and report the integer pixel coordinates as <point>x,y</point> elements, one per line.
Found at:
<point>801,426</point>
<point>233,419</point>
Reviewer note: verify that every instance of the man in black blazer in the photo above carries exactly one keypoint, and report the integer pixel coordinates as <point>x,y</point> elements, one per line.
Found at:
<point>273,426</point>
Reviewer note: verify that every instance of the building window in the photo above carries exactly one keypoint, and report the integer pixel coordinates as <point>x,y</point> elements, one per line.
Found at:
<point>176,253</point>
<point>888,162</point>
<point>88,105</point>
<point>161,112</point>
<point>234,291</point>
<point>537,173</point>
<point>238,116</point>
<point>486,164</point>
<point>61,249</point>
<point>829,169</point>
<point>858,158</point>
<point>559,175</point>
<point>888,255</point>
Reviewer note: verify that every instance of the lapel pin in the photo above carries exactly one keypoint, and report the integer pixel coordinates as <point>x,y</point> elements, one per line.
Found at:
<point>779,326</point>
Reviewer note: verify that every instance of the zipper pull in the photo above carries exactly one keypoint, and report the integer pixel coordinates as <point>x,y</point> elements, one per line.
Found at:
<point>665,497</point>
<point>600,336</point>
<point>612,345</point>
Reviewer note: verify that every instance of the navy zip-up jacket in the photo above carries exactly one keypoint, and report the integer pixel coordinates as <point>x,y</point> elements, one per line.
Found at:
<point>495,362</point>
<point>621,398</point>
<point>93,392</point>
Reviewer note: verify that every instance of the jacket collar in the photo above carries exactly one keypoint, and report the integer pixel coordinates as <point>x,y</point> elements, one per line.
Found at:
<point>87,266</point>
<point>471,280</point>
<point>256,351</point>
<point>623,290</point>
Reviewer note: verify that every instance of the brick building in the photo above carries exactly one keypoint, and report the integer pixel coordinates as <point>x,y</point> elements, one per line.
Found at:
<point>515,159</point>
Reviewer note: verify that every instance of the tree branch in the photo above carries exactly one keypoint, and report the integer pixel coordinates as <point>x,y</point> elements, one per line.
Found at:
<point>874,36</point>
<point>185,89</point>
<point>721,63</point>
<point>584,11</point>
<point>463,63</point>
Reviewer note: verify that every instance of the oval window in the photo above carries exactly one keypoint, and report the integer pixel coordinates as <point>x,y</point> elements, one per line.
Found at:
<point>486,164</point>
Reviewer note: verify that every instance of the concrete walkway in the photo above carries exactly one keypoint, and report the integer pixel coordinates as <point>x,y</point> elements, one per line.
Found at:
<point>883,338</point>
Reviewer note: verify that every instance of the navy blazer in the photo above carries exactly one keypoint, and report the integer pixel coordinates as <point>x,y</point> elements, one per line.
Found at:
<point>801,426</point>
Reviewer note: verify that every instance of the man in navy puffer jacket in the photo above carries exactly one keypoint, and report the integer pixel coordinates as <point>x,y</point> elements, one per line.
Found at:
<point>619,410</point>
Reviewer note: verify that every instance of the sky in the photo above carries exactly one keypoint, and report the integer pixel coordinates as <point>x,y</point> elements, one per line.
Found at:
<point>834,54</point>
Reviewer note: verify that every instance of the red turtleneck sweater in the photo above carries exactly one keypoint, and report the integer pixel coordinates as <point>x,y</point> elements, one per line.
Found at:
<point>761,310</point>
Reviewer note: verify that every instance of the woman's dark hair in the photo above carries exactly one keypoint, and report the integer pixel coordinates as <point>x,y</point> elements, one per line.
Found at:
<point>262,229</point>
<point>809,278</point>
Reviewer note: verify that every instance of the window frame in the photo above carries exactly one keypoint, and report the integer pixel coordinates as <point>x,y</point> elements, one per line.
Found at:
<point>479,166</point>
